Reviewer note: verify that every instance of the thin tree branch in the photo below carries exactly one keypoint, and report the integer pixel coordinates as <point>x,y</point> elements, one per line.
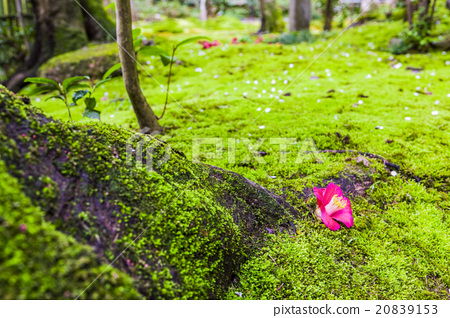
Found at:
<point>168,83</point>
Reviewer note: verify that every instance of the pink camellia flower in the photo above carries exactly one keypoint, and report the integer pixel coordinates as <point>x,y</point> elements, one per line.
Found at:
<point>23,227</point>
<point>332,205</point>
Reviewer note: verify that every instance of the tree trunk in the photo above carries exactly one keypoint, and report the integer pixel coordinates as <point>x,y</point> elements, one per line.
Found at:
<point>97,15</point>
<point>203,11</point>
<point>145,116</point>
<point>409,13</point>
<point>61,26</point>
<point>425,6</point>
<point>21,21</point>
<point>433,8</point>
<point>271,17</point>
<point>210,9</point>
<point>299,15</point>
<point>328,15</point>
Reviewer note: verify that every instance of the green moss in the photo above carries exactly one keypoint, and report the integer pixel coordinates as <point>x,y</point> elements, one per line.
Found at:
<point>39,262</point>
<point>68,39</point>
<point>394,251</point>
<point>392,213</point>
<point>93,60</point>
<point>178,237</point>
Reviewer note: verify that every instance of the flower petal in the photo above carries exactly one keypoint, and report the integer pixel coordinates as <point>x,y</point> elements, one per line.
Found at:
<point>331,190</point>
<point>345,215</point>
<point>329,222</point>
<point>319,193</point>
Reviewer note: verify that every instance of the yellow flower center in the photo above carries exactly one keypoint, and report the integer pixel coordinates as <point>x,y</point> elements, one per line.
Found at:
<point>339,201</point>
<point>336,204</point>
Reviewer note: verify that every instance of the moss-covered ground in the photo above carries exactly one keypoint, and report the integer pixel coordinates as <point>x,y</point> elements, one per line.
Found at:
<point>355,95</point>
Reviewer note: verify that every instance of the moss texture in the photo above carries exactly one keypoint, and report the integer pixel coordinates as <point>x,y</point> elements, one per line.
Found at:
<point>183,230</point>
<point>39,262</point>
<point>92,61</point>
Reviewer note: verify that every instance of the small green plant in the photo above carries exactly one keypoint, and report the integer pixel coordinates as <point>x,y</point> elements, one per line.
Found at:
<point>166,58</point>
<point>77,83</point>
<point>295,37</point>
<point>416,38</point>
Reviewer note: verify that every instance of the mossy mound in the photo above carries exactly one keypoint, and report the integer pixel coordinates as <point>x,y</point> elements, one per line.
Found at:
<point>93,61</point>
<point>39,262</point>
<point>181,230</point>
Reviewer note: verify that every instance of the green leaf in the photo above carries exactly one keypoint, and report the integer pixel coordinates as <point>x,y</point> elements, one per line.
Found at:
<point>41,80</point>
<point>57,96</point>
<point>136,33</point>
<point>90,103</point>
<point>154,50</point>
<point>100,83</point>
<point>79,95</point>
<point>80,86</point>
<point>72,80</point>
<point>112,70</point>
<point>192,39</point>
<point>38,90</point>
<point>93,114</point>
<point>137,43</point>
<point>112,5</point>
<point>165,59</point>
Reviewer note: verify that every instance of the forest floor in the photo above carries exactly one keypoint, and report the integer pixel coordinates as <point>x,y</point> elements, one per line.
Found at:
<point>352,95</point>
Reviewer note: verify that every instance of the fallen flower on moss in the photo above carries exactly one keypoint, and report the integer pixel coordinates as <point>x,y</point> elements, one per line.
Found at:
<point>332,205</point>
<point>206,45</point>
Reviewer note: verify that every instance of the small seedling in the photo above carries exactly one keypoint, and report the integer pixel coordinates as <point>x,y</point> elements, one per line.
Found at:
<point>63,89</point>
<point>166,58</point>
